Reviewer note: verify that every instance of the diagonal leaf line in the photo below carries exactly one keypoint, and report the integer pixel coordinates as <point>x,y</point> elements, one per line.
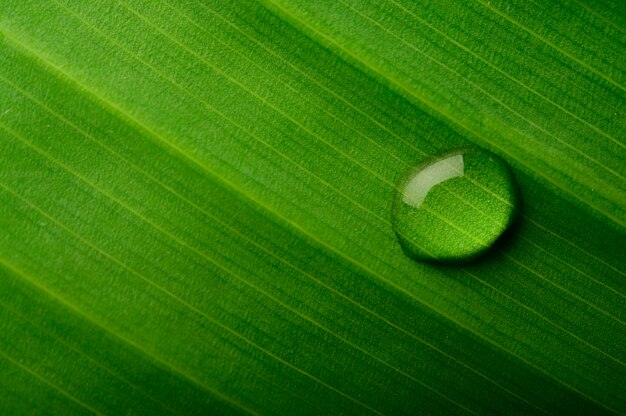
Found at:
<point>348,258</point>
<point>290,119</point>
<point>125,114</point>
<point>314,136</point>
<point>385,128</point>
<point>234,123</point>
<point>574,295</point>
<point>31,280</point>
<point>8,265</point>
<point>345,53</point>
<point>284,115</point>
<point>47,382</point>
<point>230,272</point>
<point>529,309</point>
<point>582,250</point>
<point>286,84</point>
<point>371,140</point>
<point>22,45</point>
<point>89,244</point>
<point>600,16</point>
<point>241,86</point>
<point>259,246</point>
<point>486,93</point>
<point>220,266</point>
<point>492,287</point>
<point>577,270</point>
<point>70,347</point>
<point>152,283</point>
<point>535,312</point>
<point>223,74</point>
<point>506,74</point>
<point>550,44</point>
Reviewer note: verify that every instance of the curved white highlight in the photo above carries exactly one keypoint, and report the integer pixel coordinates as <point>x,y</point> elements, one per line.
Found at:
<point>420,185</point>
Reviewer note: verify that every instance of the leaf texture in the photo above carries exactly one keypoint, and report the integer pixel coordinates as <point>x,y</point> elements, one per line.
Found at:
<point>195,204</point>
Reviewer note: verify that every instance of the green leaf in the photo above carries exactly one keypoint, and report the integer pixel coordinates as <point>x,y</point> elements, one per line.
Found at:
<point>195,207</point>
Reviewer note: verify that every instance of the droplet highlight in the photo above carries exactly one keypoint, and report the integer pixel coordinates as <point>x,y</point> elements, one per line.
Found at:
<point>454,207</point>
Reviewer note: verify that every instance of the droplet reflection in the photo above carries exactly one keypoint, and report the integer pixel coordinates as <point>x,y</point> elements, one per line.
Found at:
<point>419,185</point>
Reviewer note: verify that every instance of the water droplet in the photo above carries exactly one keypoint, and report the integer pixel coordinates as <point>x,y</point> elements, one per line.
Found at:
<point>455,206</point>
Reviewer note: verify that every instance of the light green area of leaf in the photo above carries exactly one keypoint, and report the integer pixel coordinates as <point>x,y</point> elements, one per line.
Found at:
<point>195,207</point>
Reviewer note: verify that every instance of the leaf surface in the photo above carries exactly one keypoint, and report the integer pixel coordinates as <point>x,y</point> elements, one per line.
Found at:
<point>195,204</point>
